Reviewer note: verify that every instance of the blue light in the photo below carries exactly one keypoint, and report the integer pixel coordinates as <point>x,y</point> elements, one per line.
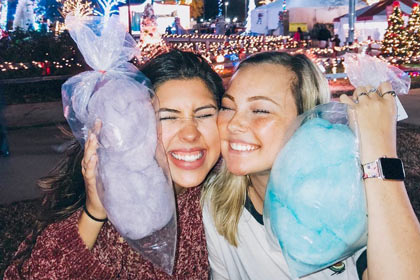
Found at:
<point>109,7</point>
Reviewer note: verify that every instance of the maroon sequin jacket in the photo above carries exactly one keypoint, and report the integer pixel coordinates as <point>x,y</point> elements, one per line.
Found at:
<point>60,253</point>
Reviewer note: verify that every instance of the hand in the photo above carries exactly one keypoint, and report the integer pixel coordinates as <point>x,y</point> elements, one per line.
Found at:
<point>376,118</point>
<point>89,164</point>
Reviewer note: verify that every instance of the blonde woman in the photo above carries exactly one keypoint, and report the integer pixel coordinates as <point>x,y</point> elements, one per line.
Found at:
<point>264,97</point>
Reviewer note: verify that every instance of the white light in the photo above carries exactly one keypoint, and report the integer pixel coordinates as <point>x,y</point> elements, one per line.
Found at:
<point>220,59</point>
<point>226,3</point>
<point>228,20</point>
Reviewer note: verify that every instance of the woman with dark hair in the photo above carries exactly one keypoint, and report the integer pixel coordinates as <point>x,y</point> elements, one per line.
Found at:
<point>73,240</point>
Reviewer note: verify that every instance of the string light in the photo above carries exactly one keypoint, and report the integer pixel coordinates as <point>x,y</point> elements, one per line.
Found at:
<point>395,38</point>
<point>223,52</point>
<point>78,8</point>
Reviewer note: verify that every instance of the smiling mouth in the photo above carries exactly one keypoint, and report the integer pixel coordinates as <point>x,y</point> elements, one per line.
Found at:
<point>188,157</point>
<point>242,147</point>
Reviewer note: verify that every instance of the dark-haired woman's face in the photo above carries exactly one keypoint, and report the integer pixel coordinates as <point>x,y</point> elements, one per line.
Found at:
<point>256,112</point>
<point>188,118</point>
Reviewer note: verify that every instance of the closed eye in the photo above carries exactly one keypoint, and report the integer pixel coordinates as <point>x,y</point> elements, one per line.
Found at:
<point>205,116</point>
<point>223,108</point>
<point>167,118</point>
<point>260,111</point>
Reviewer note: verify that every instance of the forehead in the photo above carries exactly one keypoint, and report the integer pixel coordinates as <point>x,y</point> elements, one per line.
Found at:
<point>261,79</point>
<point>184,91</point>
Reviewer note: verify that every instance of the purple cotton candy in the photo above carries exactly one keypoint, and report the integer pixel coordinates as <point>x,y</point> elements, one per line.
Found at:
<point>133,179</point>
<point>135,189</point>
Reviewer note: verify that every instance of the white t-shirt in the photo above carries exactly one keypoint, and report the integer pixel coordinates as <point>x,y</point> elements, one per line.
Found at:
<point>254,258</point>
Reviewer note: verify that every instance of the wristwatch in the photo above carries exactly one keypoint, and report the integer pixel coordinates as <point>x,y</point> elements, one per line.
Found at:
<point>385,169</point>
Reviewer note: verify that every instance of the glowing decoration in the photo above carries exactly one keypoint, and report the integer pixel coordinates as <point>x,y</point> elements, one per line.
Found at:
<point>284,5</point>
<point>25,16</point>
<point>78,8</point>
<point>220,59</point>
<point>149,33</point>
<point>109,7</point>
<point>3,14</point>
<point>371,2</point>
<point>265,2</point>
<point>394,43</point>
<point>251,6</point>
<point>220,8</point>
<point>413,30</point>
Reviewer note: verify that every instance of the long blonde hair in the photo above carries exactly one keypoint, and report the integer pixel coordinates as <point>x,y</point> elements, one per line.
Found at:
<point>225,193</point>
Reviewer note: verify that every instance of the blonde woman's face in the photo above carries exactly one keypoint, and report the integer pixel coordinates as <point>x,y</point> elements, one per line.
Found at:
<point>188,115</point>
<point>257,110</point>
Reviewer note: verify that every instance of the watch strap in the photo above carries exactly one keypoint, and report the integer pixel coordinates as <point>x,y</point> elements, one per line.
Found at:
<point>371,170</point>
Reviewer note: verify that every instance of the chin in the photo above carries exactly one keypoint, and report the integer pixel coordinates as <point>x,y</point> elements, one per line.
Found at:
<point>237,170</point>
<point>189,181</point>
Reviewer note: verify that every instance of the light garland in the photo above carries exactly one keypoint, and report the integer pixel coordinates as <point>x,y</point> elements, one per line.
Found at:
<point>223,52</point>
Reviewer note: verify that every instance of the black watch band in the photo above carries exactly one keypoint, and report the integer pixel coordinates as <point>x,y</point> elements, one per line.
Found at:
<point>385,169</point>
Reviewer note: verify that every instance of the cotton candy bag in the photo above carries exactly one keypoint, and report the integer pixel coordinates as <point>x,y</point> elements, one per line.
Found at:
<point>366,70</point>
<point>133,177</point>
<point>315,206</point>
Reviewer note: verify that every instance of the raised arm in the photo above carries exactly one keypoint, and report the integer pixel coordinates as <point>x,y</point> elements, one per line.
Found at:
<point>89,227</point>
<point>394,231</point>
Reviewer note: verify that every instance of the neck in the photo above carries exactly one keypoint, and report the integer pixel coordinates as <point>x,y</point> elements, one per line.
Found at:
<point>178,189</point>
<point>257,190</point>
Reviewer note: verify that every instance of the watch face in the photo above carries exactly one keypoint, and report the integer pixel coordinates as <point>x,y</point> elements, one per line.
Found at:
<point>392,169</point>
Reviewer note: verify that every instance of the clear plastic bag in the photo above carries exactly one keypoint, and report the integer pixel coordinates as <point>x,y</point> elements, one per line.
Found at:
<point>315,205</point>
<point>366,70</point>
<point>133,177</point>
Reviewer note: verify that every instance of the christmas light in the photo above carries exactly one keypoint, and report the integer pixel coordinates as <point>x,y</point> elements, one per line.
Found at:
<point>3,14</point>
<point>413,30</point>
<point>78,8</point>
<point>395,39</point>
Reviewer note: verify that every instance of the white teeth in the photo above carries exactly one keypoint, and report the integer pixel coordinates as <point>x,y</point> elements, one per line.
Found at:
<point>242,147</point>
<point>188,158</point>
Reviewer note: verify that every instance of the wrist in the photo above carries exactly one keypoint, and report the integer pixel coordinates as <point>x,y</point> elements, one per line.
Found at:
<point>98,215</point>
<point>369,154</point>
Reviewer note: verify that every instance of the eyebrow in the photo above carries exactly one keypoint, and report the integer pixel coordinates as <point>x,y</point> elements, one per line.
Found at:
<point>210,106</point>
<point>252,98</point>
<point>228,96</point>
<point>168,110</point>
<point>161,110</point>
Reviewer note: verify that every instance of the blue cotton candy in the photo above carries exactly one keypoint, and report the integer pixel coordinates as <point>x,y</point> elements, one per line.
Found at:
<point>315,199</point>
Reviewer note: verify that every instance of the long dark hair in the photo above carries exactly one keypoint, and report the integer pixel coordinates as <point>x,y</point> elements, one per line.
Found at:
<point>64,194</point>
<point>64,188</point>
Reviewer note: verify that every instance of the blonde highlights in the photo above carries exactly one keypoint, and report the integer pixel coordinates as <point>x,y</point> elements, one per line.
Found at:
<point>225,193</point>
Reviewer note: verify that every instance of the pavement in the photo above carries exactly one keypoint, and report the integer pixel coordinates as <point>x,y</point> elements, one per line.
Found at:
<point>33,133</point>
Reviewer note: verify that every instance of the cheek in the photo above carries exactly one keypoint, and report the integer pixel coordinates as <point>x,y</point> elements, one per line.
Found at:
<point>168,133</point>
<point>267,128</point>
<point>210,134</point>
<point>222,123</point>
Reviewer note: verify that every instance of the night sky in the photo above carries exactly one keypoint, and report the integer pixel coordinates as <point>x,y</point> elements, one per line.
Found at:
<point>236,8</point>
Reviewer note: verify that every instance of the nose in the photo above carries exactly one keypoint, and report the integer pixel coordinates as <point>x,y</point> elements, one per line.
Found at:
<point>189,131</point>
<point>238,123</point>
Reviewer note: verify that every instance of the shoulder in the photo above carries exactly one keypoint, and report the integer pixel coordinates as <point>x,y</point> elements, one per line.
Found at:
<point>61,231</point>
